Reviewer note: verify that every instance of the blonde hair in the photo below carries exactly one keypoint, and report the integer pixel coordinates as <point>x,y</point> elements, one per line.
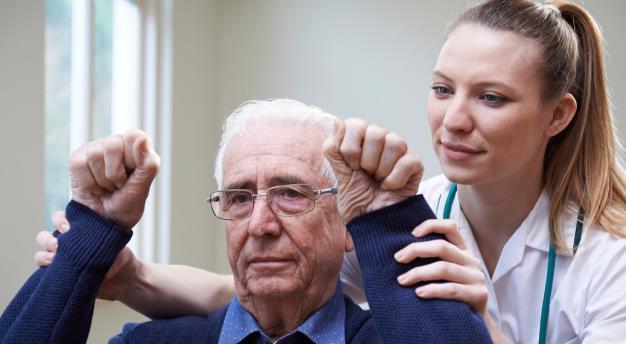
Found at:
<point>582,162</point>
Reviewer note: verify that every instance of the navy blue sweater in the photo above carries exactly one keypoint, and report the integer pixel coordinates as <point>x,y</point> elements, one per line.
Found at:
<point>56,303</point>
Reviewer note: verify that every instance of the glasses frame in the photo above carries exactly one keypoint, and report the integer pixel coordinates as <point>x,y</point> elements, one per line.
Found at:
<point>316,193</point>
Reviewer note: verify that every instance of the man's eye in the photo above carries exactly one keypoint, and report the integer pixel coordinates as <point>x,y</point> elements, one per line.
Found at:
<point>238,198</point>
<point>290,193</point>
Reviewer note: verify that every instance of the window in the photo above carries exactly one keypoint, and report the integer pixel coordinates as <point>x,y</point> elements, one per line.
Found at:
<point>107,70</point>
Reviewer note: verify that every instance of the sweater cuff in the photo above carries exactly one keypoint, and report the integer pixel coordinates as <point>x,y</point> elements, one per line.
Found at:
<point>92,242</point>
<point>399,218</point>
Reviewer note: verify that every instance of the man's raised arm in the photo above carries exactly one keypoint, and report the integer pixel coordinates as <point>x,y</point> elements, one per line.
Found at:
<point>378,178</point>
<point>110,181</point>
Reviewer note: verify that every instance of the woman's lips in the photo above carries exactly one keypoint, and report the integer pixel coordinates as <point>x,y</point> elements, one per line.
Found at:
<point>455,151</point>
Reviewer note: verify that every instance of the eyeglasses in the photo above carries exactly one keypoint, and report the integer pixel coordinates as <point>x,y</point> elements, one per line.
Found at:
<point>284,200</point>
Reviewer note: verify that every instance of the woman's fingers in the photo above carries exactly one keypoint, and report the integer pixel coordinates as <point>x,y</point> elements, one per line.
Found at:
<point>43,258</point>
<point>441,249</point>
<point>46,241</point>
<point>441,271</point>
<point>59,221</point>
<point>474,295</point>
<point>48,244</point>
<point>446,227</point>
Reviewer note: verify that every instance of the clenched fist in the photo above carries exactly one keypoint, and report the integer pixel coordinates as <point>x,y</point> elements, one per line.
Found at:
<point>112,176</point>
<point>374,167</point>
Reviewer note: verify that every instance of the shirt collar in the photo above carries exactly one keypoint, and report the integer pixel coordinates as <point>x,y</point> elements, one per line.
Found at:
<point>538,234</point>
<point>326,325</point>
<point>537,231</point>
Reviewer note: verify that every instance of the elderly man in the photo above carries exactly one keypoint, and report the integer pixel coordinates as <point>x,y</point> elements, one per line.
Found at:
<point>285,216</point>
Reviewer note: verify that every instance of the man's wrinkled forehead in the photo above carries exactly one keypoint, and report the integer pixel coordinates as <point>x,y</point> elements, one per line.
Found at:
<point>273,155</point>
<point>269,179</point>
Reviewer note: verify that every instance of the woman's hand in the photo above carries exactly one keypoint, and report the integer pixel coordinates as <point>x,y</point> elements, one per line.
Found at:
<point>122,274</point>
<point>461,271</point>
<point>155,290</point>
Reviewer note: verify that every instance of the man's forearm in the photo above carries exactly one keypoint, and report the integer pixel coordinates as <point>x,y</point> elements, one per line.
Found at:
<point>400,316</point>
<point>165,291</point>
<point>56,304</point>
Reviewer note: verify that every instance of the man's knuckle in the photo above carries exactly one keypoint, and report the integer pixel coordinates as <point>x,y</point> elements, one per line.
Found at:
<point>395,143</point>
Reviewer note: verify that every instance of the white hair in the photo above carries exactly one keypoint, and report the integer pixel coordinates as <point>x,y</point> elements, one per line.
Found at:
<point>273,111</point>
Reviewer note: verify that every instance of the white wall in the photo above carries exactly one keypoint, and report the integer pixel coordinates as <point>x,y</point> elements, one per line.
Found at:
<point>21,139</point>
<point>365,58</point>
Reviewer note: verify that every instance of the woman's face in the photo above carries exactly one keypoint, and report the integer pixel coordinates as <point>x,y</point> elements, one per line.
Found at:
<point>487,115</point>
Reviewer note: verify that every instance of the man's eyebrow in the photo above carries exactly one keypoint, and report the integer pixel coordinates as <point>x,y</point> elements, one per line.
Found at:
<point>239,184</point>
<point>283,180</point>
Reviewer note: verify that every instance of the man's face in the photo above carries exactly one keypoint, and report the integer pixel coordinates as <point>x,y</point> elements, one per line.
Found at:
<point>276,256</point>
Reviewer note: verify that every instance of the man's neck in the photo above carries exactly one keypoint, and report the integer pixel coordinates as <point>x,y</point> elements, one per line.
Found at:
<point>495,211</point>
<point>278,316</point>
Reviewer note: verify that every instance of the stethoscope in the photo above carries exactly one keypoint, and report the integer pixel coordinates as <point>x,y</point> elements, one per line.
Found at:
<point>547,293</point>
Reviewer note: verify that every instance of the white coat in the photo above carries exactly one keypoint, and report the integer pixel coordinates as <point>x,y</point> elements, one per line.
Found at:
<point>588,303</point>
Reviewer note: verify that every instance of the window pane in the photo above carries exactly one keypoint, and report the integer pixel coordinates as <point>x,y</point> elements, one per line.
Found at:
<point>102,72</point>
<point>57,103</point>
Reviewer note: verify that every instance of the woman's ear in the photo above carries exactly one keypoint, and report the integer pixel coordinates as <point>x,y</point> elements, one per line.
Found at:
<point>562,114</point>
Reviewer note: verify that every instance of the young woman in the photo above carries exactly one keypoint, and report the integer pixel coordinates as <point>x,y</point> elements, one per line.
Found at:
<point>533,201</point>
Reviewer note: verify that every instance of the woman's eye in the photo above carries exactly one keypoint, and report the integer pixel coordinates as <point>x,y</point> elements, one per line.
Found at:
<point>493,99</point>
<point>441,90</point>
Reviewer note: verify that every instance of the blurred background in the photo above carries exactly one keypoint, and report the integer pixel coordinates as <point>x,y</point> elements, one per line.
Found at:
<point>77,70</point>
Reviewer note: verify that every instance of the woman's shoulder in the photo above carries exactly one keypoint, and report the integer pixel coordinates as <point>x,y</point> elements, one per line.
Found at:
<point>600,251</point>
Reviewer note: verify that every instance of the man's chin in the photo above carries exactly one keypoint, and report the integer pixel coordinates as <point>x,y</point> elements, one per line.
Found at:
<point>270,287</point>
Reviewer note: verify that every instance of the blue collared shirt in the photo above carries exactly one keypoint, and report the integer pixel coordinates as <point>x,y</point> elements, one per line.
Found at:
<point>326,325</point>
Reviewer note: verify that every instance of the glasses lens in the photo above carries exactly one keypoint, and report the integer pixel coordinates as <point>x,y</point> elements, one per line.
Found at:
<point>291,199</point>
<point>232,204</point>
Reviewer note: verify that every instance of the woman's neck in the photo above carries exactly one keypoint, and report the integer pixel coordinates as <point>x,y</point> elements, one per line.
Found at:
<point>495,210</point>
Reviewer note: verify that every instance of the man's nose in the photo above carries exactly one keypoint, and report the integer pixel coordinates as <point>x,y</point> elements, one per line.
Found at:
<point>458,116</point>
<point>263,221</point>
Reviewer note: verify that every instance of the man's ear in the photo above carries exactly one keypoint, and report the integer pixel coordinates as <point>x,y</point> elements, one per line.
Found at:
<point>562,114</point>
<point>349,242</point>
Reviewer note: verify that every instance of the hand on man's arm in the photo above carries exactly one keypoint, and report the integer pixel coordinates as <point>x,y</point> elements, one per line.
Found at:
<point>155,290</point>
<point>110,182</point>
<point>378,177</point>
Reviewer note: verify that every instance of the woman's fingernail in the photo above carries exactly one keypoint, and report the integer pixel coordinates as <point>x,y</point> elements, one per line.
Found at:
<point>65,227</point>
<point>419,292</point>
<point>399,255</point>
<point>401,279</point>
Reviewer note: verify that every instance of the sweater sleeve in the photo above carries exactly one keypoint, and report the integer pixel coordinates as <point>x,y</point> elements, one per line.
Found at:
<point>56,304</point>
<point>400,316</point>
